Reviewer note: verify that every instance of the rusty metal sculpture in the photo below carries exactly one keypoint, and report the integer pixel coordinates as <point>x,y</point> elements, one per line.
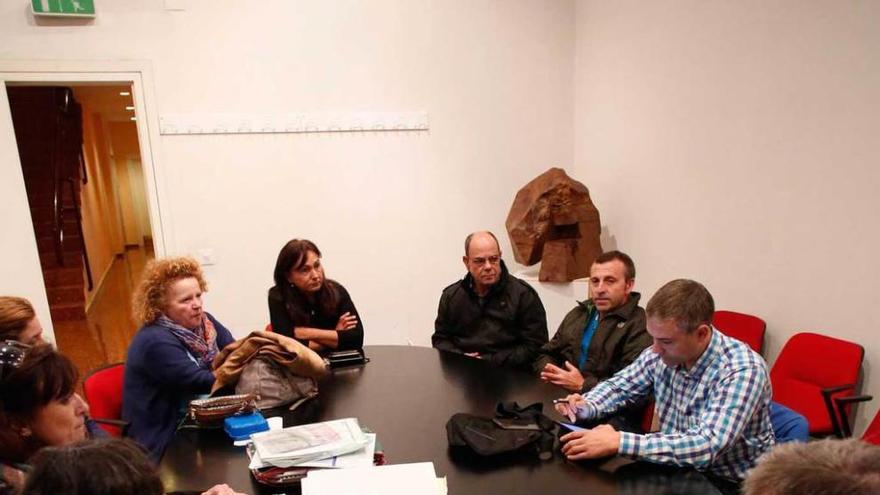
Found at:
<point>553,220</point>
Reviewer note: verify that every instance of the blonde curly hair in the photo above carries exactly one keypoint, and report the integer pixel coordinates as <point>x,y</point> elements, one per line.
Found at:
<point>149,297</point>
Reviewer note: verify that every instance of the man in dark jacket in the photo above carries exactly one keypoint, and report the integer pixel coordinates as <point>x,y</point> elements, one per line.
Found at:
<point>601,335</point>
<point>490,314</point>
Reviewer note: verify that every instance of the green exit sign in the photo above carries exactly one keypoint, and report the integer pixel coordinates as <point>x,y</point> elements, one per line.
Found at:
<point>64,8</point>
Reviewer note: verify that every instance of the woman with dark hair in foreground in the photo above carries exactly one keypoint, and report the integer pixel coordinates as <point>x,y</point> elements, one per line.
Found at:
<point>38,406</point>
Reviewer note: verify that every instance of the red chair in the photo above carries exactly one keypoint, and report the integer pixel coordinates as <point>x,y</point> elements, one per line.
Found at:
<point>812,371</point>
<point>648,418</point>
<point>746,328</point>
<point>102,388</point>
<point>872,433</point>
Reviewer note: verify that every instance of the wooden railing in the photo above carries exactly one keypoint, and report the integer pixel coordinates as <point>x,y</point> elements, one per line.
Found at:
<point>68,138</point>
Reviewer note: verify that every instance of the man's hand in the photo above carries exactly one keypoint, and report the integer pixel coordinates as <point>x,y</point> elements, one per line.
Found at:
<point>473,355</point>
<point>601,441</point>
<point>569,378</point>
<point>221,490</point>
<point>570,408</point>
<point>347,322</point>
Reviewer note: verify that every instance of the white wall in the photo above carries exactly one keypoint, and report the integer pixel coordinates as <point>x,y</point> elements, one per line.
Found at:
<point>389,211</point>
<point>100,212</point>
<point>730,142</point>
<point>20,274</point>
<point>736,143</point>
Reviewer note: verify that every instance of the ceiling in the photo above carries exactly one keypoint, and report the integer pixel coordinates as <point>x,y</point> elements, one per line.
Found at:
<point>106,101</point>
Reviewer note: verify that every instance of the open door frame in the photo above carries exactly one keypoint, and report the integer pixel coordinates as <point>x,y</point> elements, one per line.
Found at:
<point>20,272</point>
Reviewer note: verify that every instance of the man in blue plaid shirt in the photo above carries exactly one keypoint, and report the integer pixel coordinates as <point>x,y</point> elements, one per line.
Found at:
<point>712,393</point>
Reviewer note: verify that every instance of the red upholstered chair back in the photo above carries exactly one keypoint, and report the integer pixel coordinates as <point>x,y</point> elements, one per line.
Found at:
<point>808,363</point>
<point>872,434</point>
<point>648,417</point>
<point>746,328</point>
<point>103,391</point>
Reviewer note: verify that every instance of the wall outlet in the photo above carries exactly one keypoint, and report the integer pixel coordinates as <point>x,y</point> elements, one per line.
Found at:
<point>206,257</point>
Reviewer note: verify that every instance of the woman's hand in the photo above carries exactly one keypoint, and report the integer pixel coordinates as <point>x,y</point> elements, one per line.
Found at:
<point>221,490</point>
<point>346,322</point>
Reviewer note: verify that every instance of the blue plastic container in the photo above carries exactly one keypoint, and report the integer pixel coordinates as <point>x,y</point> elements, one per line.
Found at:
<point>242,427</point>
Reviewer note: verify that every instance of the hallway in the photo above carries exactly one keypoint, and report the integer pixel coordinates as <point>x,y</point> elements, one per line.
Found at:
<point>104,336</point>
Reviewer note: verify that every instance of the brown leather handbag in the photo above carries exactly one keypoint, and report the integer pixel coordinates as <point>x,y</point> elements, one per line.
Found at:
<point>214,410</point>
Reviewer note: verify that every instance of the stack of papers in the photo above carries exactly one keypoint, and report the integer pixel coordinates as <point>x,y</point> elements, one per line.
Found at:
<point>338,443</point>
<point>403,479</point>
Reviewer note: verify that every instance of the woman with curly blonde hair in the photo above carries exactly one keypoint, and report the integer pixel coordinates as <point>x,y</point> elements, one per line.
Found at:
<point>169,360</point>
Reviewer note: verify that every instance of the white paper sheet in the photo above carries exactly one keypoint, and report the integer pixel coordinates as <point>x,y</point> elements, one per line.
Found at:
<point>360,458</point>
<point>397,479</point>
<point>305,443</point>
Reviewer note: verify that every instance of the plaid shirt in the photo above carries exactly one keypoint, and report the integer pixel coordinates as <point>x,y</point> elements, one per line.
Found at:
<point>714,417</point>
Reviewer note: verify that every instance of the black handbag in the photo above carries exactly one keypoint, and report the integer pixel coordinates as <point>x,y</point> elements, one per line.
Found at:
<point>353,357</point>
<point>513,429</point>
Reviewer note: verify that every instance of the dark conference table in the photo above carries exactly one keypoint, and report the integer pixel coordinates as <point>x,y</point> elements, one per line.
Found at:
<point>406,395</point>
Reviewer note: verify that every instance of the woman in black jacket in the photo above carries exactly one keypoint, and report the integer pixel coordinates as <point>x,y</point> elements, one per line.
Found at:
<point>305,305</point>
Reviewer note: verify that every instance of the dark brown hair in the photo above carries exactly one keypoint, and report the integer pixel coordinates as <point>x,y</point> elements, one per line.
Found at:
<point>94,467</point>
<point>624,258</point>
<point>685,301</point>
<point>15,313</point>
<point>292,256</point>
<point>44,376</point>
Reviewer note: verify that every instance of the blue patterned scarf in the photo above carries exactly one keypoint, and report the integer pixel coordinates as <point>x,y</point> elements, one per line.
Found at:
<point>201,342</point>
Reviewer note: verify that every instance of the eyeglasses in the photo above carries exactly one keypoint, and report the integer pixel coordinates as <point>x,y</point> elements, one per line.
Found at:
<point>493,260</point>
<point>12,354</point>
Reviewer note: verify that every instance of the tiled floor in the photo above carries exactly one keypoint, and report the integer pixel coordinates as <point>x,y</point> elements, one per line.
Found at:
<point>104,336</point>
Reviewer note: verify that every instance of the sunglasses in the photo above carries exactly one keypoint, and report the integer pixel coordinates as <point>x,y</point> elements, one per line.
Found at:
<point>12,354</point>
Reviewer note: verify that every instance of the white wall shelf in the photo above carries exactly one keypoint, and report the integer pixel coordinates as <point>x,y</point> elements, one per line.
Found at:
<point>215,123</point>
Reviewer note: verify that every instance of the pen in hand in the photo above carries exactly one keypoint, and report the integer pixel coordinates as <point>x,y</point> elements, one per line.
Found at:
<point>566,407</point>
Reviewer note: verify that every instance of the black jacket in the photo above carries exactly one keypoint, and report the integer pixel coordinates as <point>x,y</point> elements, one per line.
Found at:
<point>619,339</point>
<point>283,324</point>
<point>508,328</point>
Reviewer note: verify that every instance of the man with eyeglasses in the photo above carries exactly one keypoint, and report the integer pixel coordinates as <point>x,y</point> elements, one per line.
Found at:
<point>490,314</point>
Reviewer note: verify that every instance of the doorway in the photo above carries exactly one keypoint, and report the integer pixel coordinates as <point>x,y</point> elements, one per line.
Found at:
<point>105,245</point>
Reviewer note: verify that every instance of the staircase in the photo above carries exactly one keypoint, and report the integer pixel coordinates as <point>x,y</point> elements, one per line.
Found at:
<point>48,130</point>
